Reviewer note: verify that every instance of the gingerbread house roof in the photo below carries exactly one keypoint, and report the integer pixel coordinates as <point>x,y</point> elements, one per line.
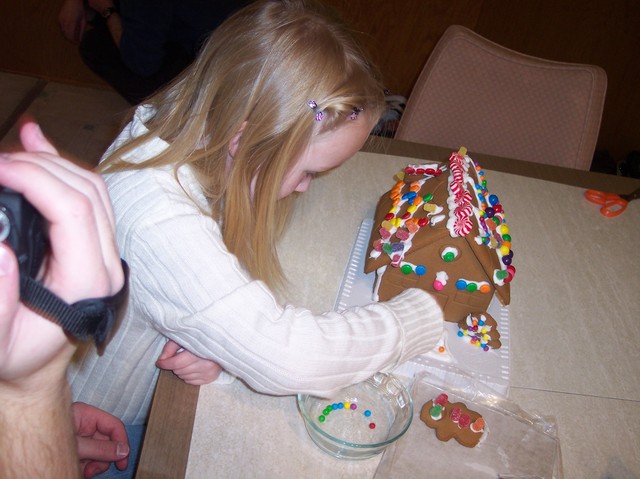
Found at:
<point>436,204</point>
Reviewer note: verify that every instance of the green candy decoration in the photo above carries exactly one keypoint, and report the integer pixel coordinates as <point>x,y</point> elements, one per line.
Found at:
<point>406,269</point>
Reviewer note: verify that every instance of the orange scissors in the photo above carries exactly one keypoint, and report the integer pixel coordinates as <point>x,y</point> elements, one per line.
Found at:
<point>612,204</point>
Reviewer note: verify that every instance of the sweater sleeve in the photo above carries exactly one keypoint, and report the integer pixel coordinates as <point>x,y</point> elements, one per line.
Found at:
<point>195,292</point>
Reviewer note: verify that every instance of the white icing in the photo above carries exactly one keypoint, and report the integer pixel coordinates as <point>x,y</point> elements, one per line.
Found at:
<point>442,276</point>
<point>432,166</point>
<point>436,219</point>
<point>443,356</point>
<point>376,288</point>
<point>449,249</point>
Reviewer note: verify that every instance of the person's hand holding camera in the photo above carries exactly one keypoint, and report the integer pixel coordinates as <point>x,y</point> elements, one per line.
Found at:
<point>83,263</point>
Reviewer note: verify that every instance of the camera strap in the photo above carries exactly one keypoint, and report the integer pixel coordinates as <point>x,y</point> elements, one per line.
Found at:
<point>89,318</point>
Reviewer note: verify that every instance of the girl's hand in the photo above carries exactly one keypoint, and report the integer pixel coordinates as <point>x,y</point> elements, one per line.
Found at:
<point>187,366</point>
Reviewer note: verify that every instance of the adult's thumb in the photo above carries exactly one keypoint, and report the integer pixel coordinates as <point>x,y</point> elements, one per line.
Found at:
<point>101,450</point>
<point>33,140</point>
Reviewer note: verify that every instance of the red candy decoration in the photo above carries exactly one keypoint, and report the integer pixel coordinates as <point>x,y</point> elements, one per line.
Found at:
<point>402,235</point>
<point>511,273</point>
<point>442,399</point>
<point>455,414</point>
<point>464,421</point>
<point>462,227</point>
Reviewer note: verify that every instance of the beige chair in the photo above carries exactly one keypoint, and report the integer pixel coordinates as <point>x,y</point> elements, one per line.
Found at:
<point>477,94</point>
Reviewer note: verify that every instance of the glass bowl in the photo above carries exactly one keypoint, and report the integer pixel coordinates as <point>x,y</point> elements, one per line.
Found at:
<point>359,421</point>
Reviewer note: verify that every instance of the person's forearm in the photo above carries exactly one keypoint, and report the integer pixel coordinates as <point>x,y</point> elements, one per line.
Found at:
<point>114,24</point>
<point>109,12</point>
<point>36,433</point>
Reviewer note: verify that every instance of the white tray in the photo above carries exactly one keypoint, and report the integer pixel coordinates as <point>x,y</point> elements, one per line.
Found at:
<point>491,367</point>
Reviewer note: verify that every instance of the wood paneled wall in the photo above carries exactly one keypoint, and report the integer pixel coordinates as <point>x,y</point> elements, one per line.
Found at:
<point>31,43</point>
<point>400,35</point>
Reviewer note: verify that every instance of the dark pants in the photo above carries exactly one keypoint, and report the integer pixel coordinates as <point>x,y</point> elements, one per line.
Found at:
<point>100,54</point>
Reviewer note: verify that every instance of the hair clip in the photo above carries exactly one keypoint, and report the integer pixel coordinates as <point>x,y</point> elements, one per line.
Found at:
<point>354,113</point>
<point>314,106</point>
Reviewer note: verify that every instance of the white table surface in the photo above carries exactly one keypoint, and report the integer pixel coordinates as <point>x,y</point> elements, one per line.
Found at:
<point>574,317</point>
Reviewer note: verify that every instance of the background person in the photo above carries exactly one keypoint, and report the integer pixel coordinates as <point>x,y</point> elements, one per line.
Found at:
<point>137,46</point>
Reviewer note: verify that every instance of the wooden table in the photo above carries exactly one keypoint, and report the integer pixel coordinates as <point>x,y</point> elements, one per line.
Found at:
<point>575,340</point>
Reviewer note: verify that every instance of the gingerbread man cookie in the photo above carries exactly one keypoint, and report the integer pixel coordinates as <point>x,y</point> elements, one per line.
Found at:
<point>481,330</point>
<point>453,420</point>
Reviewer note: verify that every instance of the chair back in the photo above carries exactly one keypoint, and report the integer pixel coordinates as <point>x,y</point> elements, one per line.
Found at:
<point>478,94</point>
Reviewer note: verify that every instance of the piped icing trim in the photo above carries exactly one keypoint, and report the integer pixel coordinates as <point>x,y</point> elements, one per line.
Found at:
<point>493,232</point>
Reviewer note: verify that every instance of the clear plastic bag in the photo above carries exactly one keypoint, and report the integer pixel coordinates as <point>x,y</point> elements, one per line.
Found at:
<point>515,444</point>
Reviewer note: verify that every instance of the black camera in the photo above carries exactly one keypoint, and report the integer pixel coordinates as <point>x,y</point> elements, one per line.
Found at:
<point>23,228</point>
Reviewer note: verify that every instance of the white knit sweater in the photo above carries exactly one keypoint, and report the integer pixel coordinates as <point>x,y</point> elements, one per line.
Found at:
<point>186,286</point>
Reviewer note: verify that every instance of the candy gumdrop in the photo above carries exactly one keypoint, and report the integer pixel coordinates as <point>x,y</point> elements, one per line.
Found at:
<point>477,425</point>
<point>402,235</point>
<point>442,399</point>
<point>455,414</point>
<point>464,421</point>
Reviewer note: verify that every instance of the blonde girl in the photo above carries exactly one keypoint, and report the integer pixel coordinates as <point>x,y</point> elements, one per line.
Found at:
<point>201,181</point>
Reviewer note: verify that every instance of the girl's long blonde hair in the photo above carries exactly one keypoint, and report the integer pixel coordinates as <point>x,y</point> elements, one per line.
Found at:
<point>255,75</point>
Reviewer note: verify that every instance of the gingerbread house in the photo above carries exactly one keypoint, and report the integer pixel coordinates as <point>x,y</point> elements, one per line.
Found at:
<point>439,229</point>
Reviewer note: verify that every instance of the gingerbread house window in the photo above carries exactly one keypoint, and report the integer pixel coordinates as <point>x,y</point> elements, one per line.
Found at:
<point>449,254</point>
